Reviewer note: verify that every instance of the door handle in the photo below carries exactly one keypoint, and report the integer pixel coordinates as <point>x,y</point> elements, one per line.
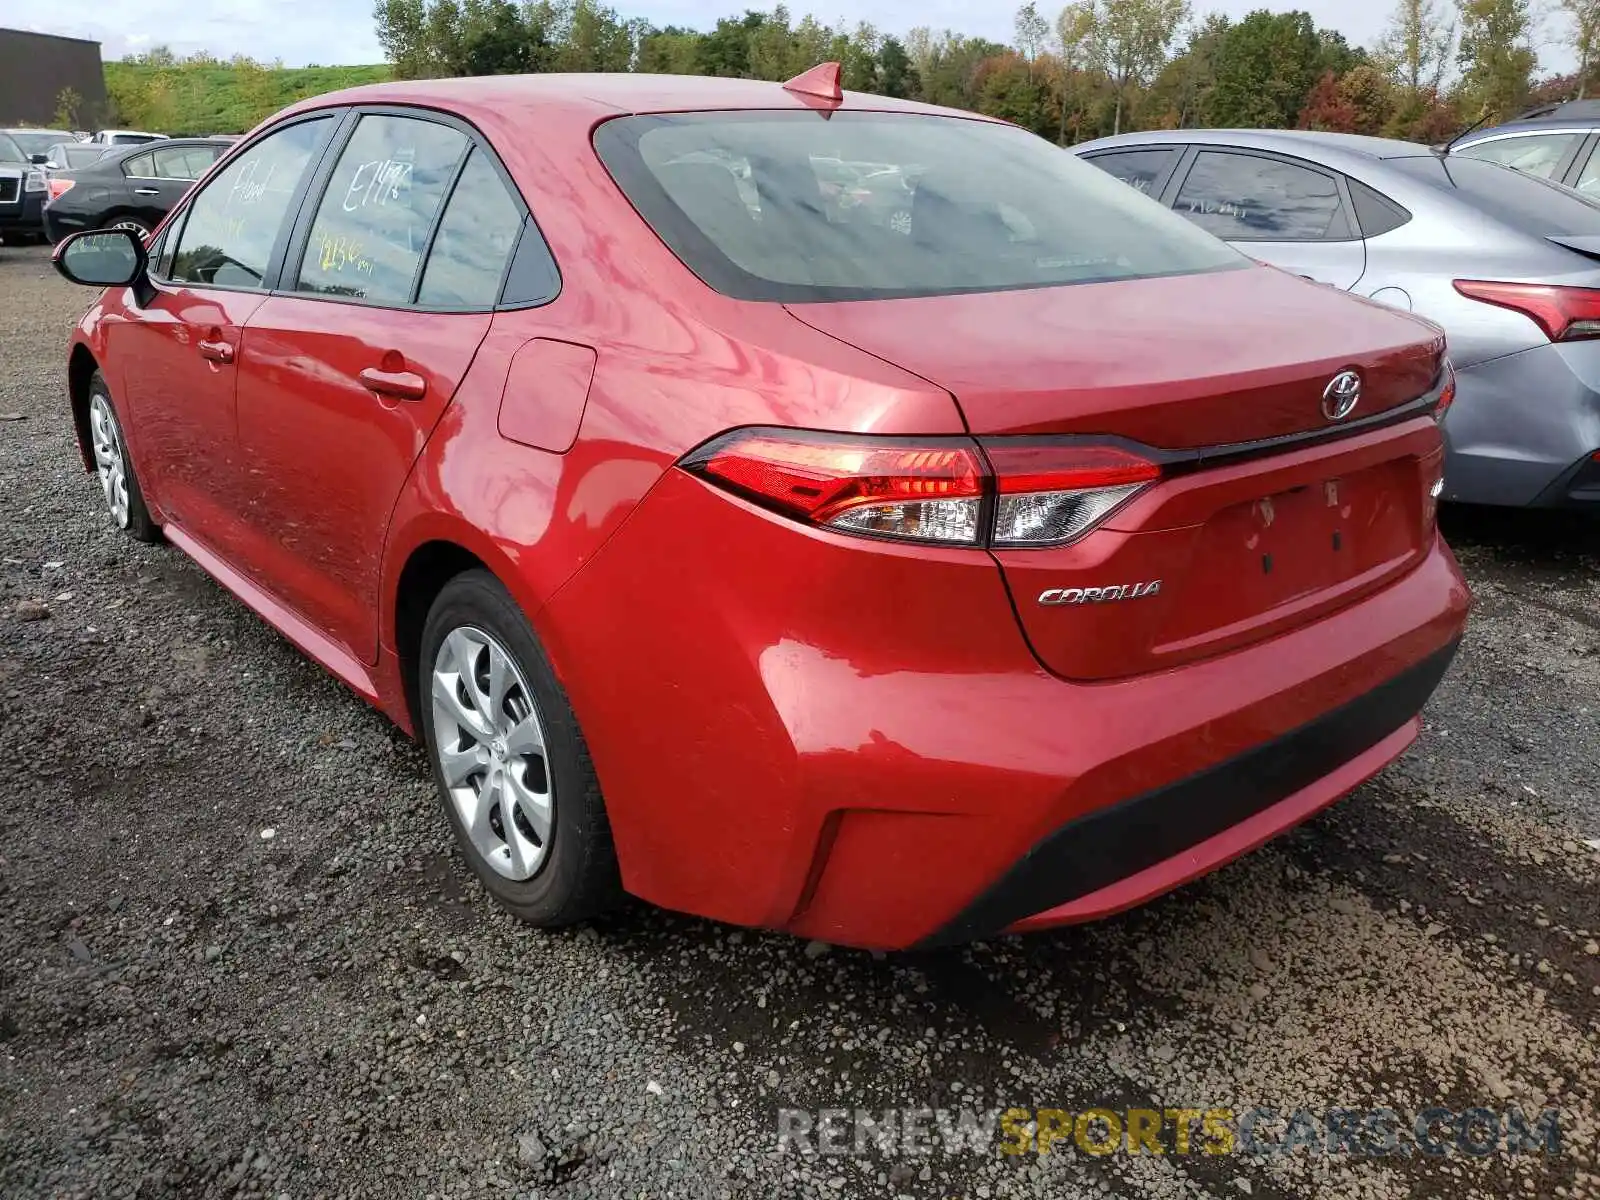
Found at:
<point>216,351</point>
<point>402,385</point>
<point>147,191</point>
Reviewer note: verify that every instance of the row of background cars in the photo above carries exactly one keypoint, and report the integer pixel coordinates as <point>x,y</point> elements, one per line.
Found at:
<point>129,181</point>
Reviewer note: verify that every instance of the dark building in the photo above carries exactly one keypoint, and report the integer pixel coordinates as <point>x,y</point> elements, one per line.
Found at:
<point>35,68</point>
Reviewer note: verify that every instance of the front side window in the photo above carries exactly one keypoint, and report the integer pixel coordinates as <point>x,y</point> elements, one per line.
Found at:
<point>236,220</point>
<point>1244,197</point>
<point>372,225</point>
<point>1533,154</point>
<point>795,207</point>
<point>1139,169</point>
<point>474,243</point>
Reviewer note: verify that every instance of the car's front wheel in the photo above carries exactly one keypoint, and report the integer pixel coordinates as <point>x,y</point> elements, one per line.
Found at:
<point>118,482</point>
<point>509,759</point>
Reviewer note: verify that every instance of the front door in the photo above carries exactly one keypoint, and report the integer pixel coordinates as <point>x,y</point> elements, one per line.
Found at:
<point>348,368</point>
<point>181,350</point>
<point>1290,214</point>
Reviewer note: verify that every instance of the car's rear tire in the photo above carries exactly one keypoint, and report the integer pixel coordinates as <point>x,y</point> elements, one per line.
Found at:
<point>509,760</point>
<point>119,482</point>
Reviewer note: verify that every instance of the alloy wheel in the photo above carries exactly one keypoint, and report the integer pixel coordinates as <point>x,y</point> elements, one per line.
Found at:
<point>110,460</point>
<point>490,747</point>
<point>138,227</point>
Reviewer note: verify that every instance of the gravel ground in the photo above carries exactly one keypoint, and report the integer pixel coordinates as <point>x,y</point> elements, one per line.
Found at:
<point>189,1006</point>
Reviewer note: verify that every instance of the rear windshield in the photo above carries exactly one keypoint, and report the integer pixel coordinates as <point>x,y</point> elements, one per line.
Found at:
<point>79,156</point>
<point>1525,202</point>
<point>35,143</point>
<point>799,206</point>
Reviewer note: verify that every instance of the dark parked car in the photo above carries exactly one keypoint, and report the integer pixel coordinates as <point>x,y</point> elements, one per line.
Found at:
<point>128,189</point>
<point>22,192</point>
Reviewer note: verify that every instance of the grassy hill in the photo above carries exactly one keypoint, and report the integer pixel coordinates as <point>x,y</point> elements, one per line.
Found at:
<point>200,97</point>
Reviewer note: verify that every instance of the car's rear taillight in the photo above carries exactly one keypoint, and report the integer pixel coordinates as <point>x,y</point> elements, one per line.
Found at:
<point>1052,494</point>
<point>947,491</point>
<point>1566,314</point>
<point>58,187</point>
<point>1447,391</point>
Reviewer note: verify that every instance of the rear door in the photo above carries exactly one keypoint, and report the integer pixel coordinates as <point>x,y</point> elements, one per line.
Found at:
<point>1283,211</point>
<point>348,367</point>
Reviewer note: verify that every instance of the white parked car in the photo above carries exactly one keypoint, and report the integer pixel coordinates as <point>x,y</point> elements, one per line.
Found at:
<point>125,137</point>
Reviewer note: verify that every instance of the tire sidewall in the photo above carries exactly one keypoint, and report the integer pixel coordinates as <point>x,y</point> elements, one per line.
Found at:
<point>478,599</point>
<point>140,525</point>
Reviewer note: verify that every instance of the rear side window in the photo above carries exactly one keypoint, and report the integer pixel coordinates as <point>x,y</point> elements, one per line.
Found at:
<point>139,166</point>
<point>1245,197</point>
<point>474,243</point>
<point>1375,212</point>
<point>804,206</point>
<point>1142,170</point>
<point>372,225</point>
<point>182,162</point>
<point>1524,202</point>
<point>1532,154</point>
<point>234,224</point>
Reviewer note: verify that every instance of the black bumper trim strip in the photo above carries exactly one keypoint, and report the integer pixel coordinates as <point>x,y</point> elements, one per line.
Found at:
<point>1112,843</point>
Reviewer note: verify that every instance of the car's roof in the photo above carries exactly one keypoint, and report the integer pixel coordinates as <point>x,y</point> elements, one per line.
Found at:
<point>1545,125</point>
<point>1288,140</point>
<point>598,95</point>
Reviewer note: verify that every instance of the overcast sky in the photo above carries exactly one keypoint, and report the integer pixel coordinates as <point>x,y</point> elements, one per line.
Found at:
<point>340,31</point>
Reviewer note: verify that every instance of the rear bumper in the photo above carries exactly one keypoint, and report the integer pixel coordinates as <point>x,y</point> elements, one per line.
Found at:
<point>851,740</point>
<point>1523,428</point>
<point>1118,857</point>
<point>25,216</point>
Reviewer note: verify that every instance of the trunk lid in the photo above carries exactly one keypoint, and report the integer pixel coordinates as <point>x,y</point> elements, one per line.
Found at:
<point>1225,550</point>
<point>1179,362</point>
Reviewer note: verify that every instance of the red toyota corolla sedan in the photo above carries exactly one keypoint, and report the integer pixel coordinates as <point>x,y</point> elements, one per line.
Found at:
<point>893,563</point>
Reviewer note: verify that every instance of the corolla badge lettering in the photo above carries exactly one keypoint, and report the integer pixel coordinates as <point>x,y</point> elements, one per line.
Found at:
<point>1099,595</point>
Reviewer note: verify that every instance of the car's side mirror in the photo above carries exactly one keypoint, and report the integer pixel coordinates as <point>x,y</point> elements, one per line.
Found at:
<point>39,160</point>
<point>101,257</point>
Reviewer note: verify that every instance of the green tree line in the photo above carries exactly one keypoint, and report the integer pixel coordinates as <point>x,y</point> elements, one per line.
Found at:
<point>1091,68</point>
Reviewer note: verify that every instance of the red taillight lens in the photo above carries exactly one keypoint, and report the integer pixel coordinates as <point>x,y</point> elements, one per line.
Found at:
<point>1566,314</point>
<point>938,490</point>
<point>929,492</point>
<point>1447,391</point>
<point>58,187</point>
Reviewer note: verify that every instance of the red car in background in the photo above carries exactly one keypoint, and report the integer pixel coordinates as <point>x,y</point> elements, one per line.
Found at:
<point>890,583</point>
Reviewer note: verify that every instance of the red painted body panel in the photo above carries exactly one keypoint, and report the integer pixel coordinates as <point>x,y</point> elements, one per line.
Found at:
<point>797,728</point>
<point>1199,360</point>
<point>819,687</point>
<point>325,457</point>
<point>180,405</point>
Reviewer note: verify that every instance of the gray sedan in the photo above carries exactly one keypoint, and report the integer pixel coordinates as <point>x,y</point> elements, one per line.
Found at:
<point>1507,263</point>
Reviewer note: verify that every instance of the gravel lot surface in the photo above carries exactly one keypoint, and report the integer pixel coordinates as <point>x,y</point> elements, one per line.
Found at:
<point>239,956</point>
